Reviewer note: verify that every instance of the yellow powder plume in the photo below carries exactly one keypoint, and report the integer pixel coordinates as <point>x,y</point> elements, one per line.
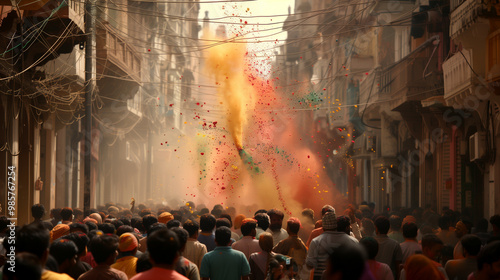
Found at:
<point>227,63</point>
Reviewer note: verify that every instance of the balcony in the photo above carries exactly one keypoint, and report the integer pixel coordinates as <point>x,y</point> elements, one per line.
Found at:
<point>118,64</point>
<point>25,5</point>
<point>493,57</point>
<point>414,78</point>
<point>471,15</point>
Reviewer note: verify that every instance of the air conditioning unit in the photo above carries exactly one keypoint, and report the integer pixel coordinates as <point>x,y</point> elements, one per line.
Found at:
<point>477,146</point>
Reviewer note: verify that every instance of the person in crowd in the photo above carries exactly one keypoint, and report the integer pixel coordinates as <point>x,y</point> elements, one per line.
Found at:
<point>104,250</point>
<point>247,244</point>
<point>147,221</point>
<point>58,231</point>
<point>35,239</point>
<point>263,222</point>
<point>275,228</point>
<point>307,222</point>
<point>275,270</point>
<point>318,231</point>
<point>432,248</point>
<point>78,227</point>
<point>27,267</point>
<point>163,249</point>
<point>37,212</point>
<point>367,227</point>
<point>194,250</point>
<point>77,215</point>
<point>237,225</point>
<point>66,215</point>
<point>389,250</point>
<point>410,246</point>
<point>173,223</point>
<point>495,224</point>
<point>346,262</point>
<point>143,263</point>
<point>380,271</point>
<point>206,236</point>
<point>420,267</point>
<point>55,216</point>
<point>258,261</point>
<point>481,231</point>
<point>184,266</point>
<point>96,217</point>
<point>234,235</point>
<point>395,230</point>
<point>293,246</point>
<point>65,252</point>
<point>81,241</point>
<point>448,236</point>
<point>488,263</point>
<point>328,241</point>
<point>461,268</point>
<point>165,217</point>
<point>224,263</point>
<point>128,246</point>
<point>462,228</point>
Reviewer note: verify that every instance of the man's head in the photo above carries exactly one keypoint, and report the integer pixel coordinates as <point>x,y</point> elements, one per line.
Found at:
<point>371,246</point>
<point>207,222</point>
<point>327,208</point>
<point>395,222</point>
<point>148,220</point>
<point>219,222</point>
<point>27,266</point>
<point>65,252</point>
<point>182,236</point>
<point>263,220</point>
<point>77,227</point>
<point>344,224</point>
<point>382,225</point>
<point>346,262</point>
<point>329,221</point>
<point>55,213</point>
<point>59,231</point>
<point>461,229</point>
<point>165,217</point>
<point>107,228</point>
<point>222,236</point>
<point>37,211</point>
<point>104,248</point>
<point>276,217</point>
<point>432,246</point>
<point>81,241</point>
<point>495,223</point>
<point>444,222</point>
<point>67,214</point>
<point>293,226</point>
<point>471,245</point>
<point>163,247</point>
<point>266,242</point>
<point>248,227</point>
<point>309,214</point>
<point>410,230</point>
<point>78,215</point>
<point>128,244</point>
<point>192,228</point>
<point>33,239</point>
<point>488,261</point>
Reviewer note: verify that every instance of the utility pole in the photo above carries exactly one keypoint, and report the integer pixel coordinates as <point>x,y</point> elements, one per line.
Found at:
<point>90,70</point>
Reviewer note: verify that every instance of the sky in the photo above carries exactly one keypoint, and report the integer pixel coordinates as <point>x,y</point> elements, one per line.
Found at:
<point>268,14</point>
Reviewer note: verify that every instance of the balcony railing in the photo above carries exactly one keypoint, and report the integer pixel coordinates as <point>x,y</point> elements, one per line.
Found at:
<point>457,74</point>
<point>466,12</point>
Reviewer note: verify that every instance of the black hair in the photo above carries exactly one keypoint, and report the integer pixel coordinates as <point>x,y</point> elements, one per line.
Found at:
<point>32,238</point>
<point>182,235</point>
<point>370,245</point>
<point>123,229</point>
<point>125,221</point>
<point>395,222</point>
<point>73,227</point>
<point>444,222</point>
<point>192,227</point>
<point>382,224</point>
<point>155,227</point>
<point>63,249</point>
<point>262,220</point>
<point>216,212</point>
<point>222,236</point>
<point>47,225</point>
<point>163,246</point>
<point>343,223</point>
<point>66,213</point>
<point>204,211</point>
<point>56,213</point>
<point>293,226</point>
<point>207,222</point>
<point>247,228</point>
<point>276,212</point>
<point>148,220</point>
<point>482,225</point>
<point>77,212</point>
<point>117,223</point>
<point>260,211</point>
<point>471,244</point>
<point>102,247</point>
<point>349,260</point>
<point>51,264</point>
<point>173,223</point>
<point>222,222</point>
<point>107,228</point>
<point>495,220</point>
<point>228,217</point>
<point>489,254</point>
<point>410,230</point>
<point>81,240</point>
<point>37,211</point>
<point>91,225</point>
<point>27,267</point>
<point>429,240</point>
<point>143,263</point>
<point>4,223</point>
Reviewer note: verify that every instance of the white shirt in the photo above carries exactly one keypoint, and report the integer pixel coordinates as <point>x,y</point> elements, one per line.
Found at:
<point>278,236</point>
<point>247,245</point>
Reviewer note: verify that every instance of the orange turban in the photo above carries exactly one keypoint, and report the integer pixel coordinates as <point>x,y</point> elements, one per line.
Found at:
<point>238,220</point>
<point>96,217</point>
<point>59,231</point>
<point>409,219</point>
<point>421,267</point>
<point>89,220</point>
<point>165,217</point>
<point>128,242</point>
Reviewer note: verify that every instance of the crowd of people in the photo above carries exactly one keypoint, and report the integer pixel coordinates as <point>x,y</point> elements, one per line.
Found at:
<point>192,242</point>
